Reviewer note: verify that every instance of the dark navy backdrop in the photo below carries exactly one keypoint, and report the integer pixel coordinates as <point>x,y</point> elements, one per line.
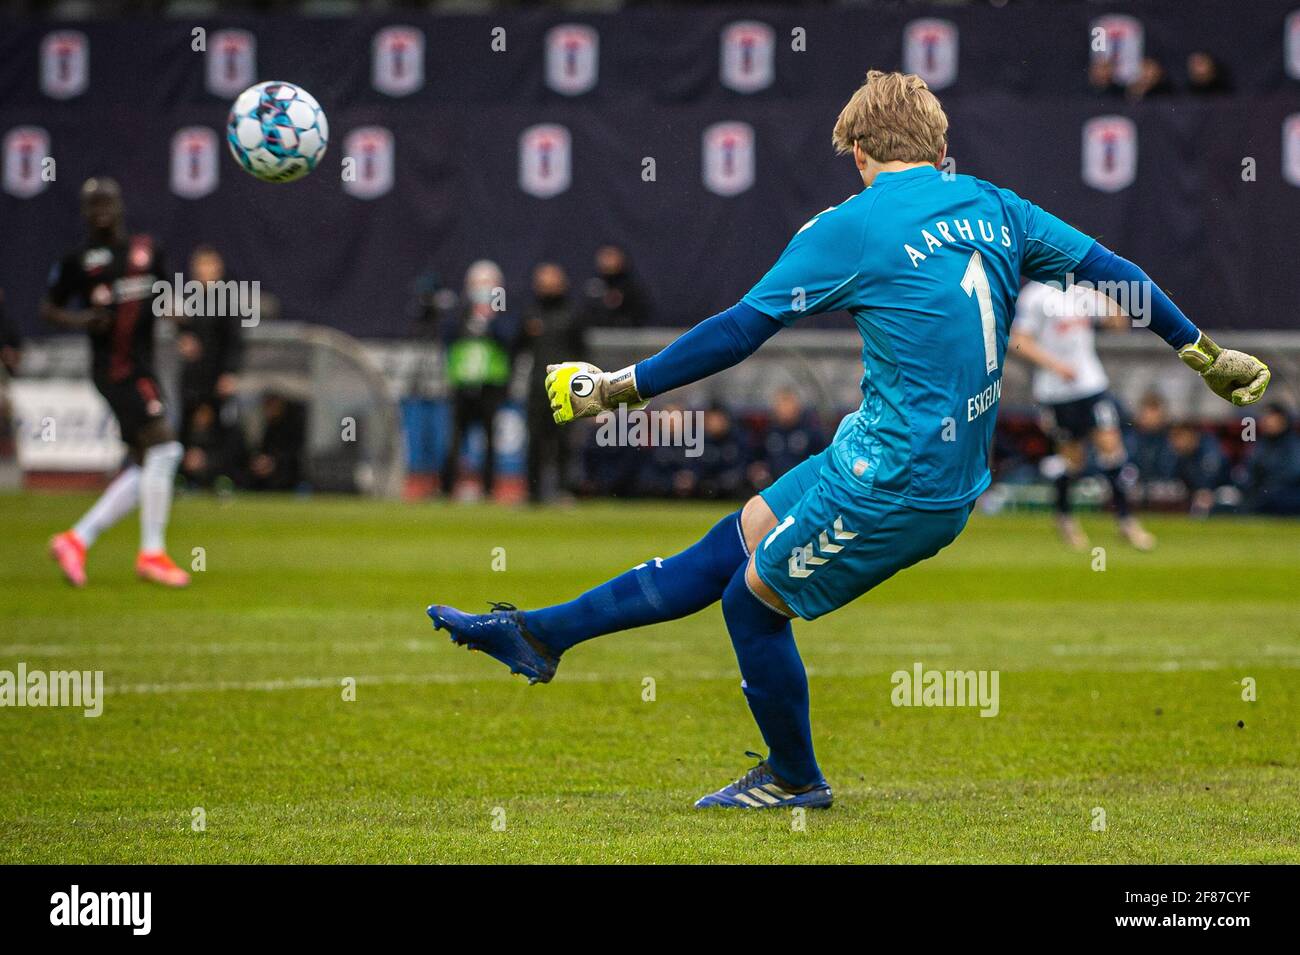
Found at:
<point>1225,248</point>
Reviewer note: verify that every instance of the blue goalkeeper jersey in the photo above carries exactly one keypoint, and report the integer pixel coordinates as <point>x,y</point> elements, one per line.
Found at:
<point>929,265</point>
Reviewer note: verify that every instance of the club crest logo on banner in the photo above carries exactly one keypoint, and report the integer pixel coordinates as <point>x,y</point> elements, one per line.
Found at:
<point>748,56</point>
<point>1291,149</point>
<point>545,160</point>
<point>232,62</point>
<point>729,158</point>
<point>371,150</point>
<point>572,58</point>
<point>930,51</point>
<point>397,61</point>
<point>1122,45</point>
<point>1293,45</point>
<point>65,64</point>
<point>194,162</point>
<point>1109,153</point>
<point>25,151</point>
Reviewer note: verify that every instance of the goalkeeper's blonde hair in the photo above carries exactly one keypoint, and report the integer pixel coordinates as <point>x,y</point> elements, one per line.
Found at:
<point>893,117</point>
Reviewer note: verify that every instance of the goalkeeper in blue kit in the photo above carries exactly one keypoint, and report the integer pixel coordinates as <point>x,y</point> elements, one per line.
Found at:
<point>929,265</point>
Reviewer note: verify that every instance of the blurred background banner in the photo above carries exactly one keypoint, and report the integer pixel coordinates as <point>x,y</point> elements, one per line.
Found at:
<point>698,140</point>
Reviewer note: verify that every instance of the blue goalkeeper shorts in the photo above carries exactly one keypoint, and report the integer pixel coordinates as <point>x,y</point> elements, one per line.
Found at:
<point>832,544</point>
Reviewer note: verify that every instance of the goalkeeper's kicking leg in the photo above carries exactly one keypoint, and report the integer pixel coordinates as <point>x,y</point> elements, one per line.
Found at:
<point>531,642</point>
<point>774,681</point>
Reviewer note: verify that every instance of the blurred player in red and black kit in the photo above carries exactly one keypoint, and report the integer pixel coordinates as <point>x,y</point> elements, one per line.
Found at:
<point>105,288</point>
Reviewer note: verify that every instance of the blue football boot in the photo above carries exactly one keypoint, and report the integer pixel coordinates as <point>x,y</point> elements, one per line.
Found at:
<point>501,635</point>
<point>760,789</point>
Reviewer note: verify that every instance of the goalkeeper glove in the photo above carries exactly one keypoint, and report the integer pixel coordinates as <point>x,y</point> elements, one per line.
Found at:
<point>579,390</point>
<point>1232,375</point>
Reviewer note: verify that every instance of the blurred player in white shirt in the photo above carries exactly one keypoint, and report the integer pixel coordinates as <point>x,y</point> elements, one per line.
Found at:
<point>1054,330</point>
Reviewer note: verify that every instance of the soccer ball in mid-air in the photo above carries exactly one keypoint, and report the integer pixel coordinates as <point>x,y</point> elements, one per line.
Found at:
<point>277,131</point>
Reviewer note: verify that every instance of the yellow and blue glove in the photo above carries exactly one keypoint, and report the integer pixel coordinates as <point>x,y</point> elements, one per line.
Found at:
<point>579,390</point>
<point>1232,375</point>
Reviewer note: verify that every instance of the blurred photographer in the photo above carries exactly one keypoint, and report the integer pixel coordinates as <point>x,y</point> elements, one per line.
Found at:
<point>552,329</point>
<point>480,347</point>
<point>211,349</point>
<point>615,299</point>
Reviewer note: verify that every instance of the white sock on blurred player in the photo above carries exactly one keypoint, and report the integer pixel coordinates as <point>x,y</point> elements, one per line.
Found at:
<point>121,495</point>
<point>156,481</point>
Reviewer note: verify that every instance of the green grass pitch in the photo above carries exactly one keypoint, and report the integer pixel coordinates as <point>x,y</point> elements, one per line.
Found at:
<point>1120,691</point>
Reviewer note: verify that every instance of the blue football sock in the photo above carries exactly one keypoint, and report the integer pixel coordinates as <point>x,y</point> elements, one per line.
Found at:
<point>658,590</point>
<point>774,681</point>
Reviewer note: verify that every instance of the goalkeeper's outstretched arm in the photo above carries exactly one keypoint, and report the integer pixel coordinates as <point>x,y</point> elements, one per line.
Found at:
<point>579,390</point>
<point>1232,375</point>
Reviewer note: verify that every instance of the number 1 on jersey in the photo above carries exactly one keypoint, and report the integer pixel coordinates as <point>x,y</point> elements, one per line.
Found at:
<point>976,282</point>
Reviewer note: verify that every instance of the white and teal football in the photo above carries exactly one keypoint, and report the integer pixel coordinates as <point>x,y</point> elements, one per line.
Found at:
<point>277,131</point>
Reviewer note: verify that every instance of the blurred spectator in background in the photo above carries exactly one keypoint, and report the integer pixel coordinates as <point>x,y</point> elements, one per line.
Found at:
<point>1274,464</point>
<point>614,298</point>
<point>1151,80</point>
<point>1206,75</point>
<point>1149,440</point>
<point>1198,464</point>
<point>431,302</point>
<point>214,455</point>
<point>211,350</point>
<point>11,354</point>
<point>719,471</point>
<point>480,343</point>
<point>552,332</point>
<point>618,470</point>
<point>430,308</point>
<point>11,341</point>
<point>665,469</point>
<point>276,462</point>
<point>793,434</point>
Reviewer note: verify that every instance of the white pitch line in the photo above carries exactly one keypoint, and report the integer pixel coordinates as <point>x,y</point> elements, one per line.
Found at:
<point>291,683</point>
<point>393,679</point>
<point>183,649</point>
<point>423,679</point>
<point>870,677</point>
<point>172,649</point>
